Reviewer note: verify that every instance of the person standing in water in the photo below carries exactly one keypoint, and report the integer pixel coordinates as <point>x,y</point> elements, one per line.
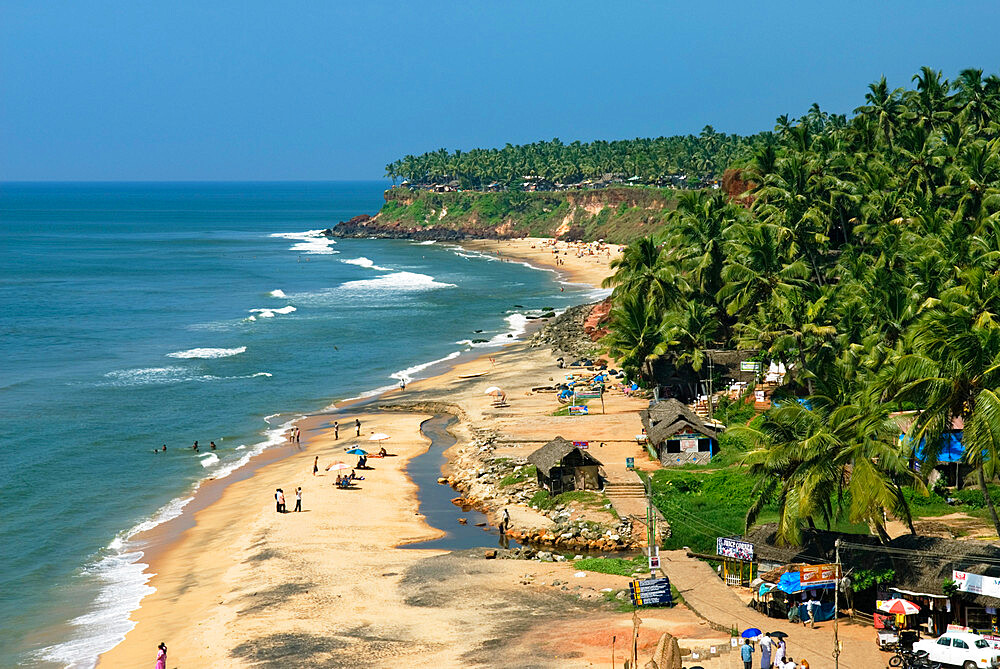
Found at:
<point>195,447</point>
<point>357,427</point>
<point>161,656</point>
<point>298,498</point>
<point>212,444</point>
<point>315,465</point>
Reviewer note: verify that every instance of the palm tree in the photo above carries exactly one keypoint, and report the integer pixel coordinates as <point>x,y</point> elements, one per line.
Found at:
<point>954,371</point>
<point>635,335</point>
<point>644,270</point>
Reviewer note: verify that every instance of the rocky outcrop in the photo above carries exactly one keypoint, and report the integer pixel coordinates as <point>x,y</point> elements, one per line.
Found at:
<point>566,334</point>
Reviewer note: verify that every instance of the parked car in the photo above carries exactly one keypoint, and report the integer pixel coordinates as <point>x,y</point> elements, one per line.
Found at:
<point>960,649</point>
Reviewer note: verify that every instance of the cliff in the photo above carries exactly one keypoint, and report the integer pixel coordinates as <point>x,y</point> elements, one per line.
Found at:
<point>616,215</point>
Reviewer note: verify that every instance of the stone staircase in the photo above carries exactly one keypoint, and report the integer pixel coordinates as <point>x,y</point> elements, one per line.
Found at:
<point>625,489</point>
<point>628,496</point>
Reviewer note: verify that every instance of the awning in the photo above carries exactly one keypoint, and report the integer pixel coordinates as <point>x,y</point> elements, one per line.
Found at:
<point>791,582</point>
<point>917,594</point>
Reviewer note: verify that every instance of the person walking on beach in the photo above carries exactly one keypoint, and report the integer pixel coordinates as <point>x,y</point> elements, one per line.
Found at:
<point>161,656</point>
<point>277,500</point>
<point>402,384</point>
<point>315,465</point>
<point>746,653</point>
<point>281,500</point>
<point>297,435</point>
<point>357,427</point>
<point>298,498</point>
<point>336,430</point>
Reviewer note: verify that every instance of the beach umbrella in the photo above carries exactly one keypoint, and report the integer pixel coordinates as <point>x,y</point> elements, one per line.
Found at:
<point>751,633</point>
<point>357,451</point>
<point>378,436</point>
<point>899,606</point>
<point>492,390</point>
<point>337,466</point>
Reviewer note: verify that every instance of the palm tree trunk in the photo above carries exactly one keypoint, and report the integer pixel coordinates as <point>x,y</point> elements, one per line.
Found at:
<point>989,500</point>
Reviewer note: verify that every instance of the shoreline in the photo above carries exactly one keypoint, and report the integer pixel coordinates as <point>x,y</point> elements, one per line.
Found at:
<point>158,543</point>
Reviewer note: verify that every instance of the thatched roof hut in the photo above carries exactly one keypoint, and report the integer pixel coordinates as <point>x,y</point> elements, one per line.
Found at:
<point>678,433</point>
<point>561,465</point>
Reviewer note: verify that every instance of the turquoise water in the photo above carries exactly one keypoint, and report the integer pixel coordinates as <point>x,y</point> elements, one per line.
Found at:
<point>136,315</point>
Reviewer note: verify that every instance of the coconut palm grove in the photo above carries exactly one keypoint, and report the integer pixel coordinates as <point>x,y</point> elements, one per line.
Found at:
<point>864,257</point>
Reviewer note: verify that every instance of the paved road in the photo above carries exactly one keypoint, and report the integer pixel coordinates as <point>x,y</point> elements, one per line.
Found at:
<point>706,594</point>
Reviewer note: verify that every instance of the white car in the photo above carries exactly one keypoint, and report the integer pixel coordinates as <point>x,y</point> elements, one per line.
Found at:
<point>960,649</point>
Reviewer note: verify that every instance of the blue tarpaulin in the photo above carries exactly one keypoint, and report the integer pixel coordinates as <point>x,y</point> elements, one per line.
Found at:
<point>951,447</point>
<point>791,583</point>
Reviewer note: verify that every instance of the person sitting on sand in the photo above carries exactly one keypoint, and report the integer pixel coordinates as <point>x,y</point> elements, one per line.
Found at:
<point>339,480</point>
<point>382,453</point>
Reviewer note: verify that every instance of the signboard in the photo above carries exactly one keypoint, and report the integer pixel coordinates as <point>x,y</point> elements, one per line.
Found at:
<point>758,396</point>
<point>588,394</point>
<point>748,366</point>
<point>734,548</point>
<point>654,559</point>
<point>584,445</point>
<point>651,592</point>
<point>629,463</point>
<point>689,445</point>
<point>976,584</point>
<point>578,410</point>
<point>819,574</point>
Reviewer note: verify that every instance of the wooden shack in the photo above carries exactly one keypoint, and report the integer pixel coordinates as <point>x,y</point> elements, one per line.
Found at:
<point>561,466</point>
<point>676,435</point>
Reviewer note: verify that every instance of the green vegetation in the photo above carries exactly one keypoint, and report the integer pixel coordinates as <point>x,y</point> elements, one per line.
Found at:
<point>585,498</point>
<point>614,214</point>
<point>867,261</point>
<point>620,566</point>
<point>651,160</point>
<point>528,473</point>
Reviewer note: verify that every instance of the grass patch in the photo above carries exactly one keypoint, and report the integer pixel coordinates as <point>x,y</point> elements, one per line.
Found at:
<point>526,474</point>
<point>619,566</point>
<point>586,498</point>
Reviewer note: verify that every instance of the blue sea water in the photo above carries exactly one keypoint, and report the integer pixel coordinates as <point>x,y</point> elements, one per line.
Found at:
<point>136,315</point>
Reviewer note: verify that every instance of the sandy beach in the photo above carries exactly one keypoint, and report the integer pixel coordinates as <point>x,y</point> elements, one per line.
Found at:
<point>242,585</point>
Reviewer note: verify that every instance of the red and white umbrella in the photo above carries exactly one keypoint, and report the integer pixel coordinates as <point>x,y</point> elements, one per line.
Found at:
<point>899,606</point>
<point>336,466</point>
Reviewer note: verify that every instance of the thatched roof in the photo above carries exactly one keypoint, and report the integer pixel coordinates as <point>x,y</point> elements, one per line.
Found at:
<point>922,564</point>
<point>554,452</point>
<point>817,546</point>
<point>668,417</point>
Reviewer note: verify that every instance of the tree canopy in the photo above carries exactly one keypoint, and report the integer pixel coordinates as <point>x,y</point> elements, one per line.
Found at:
<point>868,262</point>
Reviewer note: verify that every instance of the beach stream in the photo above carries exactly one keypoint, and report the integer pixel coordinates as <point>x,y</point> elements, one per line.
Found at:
<point>435,498</point>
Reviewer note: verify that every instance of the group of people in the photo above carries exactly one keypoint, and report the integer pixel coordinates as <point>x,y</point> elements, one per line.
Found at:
<point>293,435</point>
<point>194,447</point>
<point>773,654</point>
<point>279,500</point>
<point>357,422</point>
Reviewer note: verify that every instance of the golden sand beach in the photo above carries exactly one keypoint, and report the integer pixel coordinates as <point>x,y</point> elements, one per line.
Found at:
<point>240,585</point>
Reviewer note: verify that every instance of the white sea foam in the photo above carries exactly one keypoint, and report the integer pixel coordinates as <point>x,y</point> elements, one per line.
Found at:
<point>365,262</point>
<point>427,242</point>
<point>517,323</point>
<point>277,292</point>
<point>121,577</point>
<point>267,419</point>
<point>310,242</point>
<point>154,376</point>
<point>207,353</point>
<point>407,374</point>
<point>397,281</point>
<point>269,313</point>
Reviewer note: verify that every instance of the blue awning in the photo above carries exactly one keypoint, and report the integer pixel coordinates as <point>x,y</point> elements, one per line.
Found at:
<point>951,447</point>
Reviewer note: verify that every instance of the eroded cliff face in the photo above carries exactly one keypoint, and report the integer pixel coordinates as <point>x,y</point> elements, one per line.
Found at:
<point>613,214</point>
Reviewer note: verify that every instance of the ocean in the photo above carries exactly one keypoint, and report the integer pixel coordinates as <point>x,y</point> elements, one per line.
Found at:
<point>134,316</point>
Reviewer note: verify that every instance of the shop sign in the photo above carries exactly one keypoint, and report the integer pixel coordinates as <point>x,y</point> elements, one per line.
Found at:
<point>748,366</point>
<point>689,445</point>
<point>734,548</point>
<point>819,574</point>
<point>976,584</point>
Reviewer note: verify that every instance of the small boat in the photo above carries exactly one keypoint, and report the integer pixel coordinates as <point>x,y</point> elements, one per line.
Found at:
<point>472,375</point>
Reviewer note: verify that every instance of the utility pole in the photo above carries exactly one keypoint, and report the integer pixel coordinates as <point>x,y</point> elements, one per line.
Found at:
<point>836,608</point>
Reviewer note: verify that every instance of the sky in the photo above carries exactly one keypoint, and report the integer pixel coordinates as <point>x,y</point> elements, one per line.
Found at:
<point>254,90</point>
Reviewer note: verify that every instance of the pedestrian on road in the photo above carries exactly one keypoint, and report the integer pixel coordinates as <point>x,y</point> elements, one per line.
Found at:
<point>811,607</point>
<point>298,498</point>
<point>746,652</point>
<point>765,652</point>
<point>779,654</point>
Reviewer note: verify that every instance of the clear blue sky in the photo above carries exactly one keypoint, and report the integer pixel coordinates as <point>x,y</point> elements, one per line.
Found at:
<point>252,90</point>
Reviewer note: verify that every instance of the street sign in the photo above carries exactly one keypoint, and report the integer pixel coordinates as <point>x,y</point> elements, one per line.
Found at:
<point>650,592</point>
<point>654,558</point>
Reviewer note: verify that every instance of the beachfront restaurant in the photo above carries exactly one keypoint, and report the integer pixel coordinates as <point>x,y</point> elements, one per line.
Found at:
<point>562,465</point>
<point>676,435</point>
